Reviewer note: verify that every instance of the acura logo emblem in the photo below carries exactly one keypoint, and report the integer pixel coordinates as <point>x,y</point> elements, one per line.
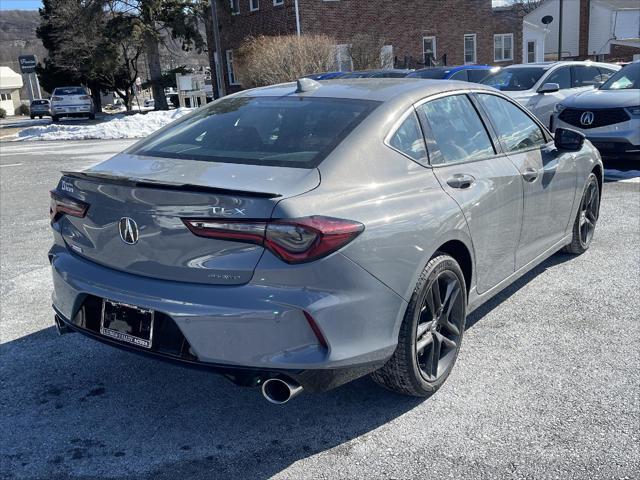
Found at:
<point>128,230</point>
<point>586,118</point>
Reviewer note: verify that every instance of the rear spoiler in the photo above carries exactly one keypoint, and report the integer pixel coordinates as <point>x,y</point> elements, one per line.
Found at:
<point>185,187</point>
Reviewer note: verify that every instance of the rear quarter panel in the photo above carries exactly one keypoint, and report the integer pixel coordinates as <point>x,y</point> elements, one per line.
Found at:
<point>406,213</point>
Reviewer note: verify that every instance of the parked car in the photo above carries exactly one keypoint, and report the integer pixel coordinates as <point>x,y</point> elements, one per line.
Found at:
<point>40,108</point>
<point>324,75</point>
<point>539,86</point>
<point>608,116</point>
<point>71,102</point>
<point>383,73</point>
<point>466,73</point>
<point>301,236</point>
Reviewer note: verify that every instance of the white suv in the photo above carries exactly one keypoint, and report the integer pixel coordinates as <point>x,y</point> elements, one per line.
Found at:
<point>71,102</point>
<point>609,116</point>
<point>539,86</point>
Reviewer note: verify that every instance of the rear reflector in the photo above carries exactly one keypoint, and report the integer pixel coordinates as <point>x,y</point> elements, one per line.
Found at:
<point>64,205</point>
<point>296,240</point>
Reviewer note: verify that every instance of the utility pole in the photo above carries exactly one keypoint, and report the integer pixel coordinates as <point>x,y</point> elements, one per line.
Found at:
<point>560,31</point>
<point>217,54</point>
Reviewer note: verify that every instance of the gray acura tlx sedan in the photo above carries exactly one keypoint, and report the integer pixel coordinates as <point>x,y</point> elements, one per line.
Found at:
<point>306,234</point>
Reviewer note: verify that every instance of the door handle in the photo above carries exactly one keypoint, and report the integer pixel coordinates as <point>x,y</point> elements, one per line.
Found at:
<point>530,175</point>
<point>460,180</point>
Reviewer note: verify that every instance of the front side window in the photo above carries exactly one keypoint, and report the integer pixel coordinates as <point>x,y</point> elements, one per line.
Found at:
<point>476,75</point>
<point>470,48</point>
<point>585,76</point>
<point>274,131</point>
<point>503,47</point>
<point>409,140</point>
<point>512,79</point>
<point>516,130</point>
<point>457,130</point>
<point>561,76</point>
<point>459,75</point>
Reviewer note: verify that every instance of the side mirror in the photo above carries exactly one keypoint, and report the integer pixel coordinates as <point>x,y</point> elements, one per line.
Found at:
<point>549,88</point>
<point>570,140</point>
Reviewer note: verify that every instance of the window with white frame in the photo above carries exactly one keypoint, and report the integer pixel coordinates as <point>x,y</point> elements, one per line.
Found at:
<point>278,2</point>
<point>470,48</point>
<point>235,6</point>
<point>5,96</point>
<point>428,49</point>
<point>531,51</point>
<point>503,47</point>
<point>231,74</point>
<point>254,5</point>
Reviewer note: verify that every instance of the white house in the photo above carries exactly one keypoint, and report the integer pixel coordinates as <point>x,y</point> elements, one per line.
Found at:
<point>10,85</point>
<point>608,23</point>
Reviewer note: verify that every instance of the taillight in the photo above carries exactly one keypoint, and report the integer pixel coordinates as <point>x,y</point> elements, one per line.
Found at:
<point>62,204</point>
<point>85,97</point>
<point>296,240</point>
<point>56,99</point>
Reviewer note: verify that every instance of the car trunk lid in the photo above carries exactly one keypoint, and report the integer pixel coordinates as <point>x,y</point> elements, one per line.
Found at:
<point>155,194</point>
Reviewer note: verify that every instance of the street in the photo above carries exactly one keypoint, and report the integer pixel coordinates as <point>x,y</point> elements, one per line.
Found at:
<point>547,384</point>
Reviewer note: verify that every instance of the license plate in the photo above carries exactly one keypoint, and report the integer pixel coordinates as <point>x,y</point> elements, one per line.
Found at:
<point>127,323</point>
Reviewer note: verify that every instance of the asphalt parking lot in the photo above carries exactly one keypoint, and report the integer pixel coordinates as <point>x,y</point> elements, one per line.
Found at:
<point>547,384</point>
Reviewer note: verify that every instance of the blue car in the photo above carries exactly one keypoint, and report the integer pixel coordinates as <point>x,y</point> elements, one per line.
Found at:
<point>466,73</point>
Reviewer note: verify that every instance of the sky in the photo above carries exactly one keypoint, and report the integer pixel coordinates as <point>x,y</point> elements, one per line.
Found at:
<point>20,4</point>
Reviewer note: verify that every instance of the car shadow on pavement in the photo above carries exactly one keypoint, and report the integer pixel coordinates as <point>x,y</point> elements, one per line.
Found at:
<point>492,303</point>
<point>76,409</point>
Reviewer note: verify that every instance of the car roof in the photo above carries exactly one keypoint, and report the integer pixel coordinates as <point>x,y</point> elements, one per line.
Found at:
<point>548,65</point>
<point>376,89</point>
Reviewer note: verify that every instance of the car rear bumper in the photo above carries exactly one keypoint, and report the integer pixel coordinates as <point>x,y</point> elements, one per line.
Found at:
<point>71,110</point>
<point>257,329</point>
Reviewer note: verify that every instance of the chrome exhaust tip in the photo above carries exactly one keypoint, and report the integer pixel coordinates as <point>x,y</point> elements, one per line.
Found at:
<point>279,391</point>
<point>61,327</point>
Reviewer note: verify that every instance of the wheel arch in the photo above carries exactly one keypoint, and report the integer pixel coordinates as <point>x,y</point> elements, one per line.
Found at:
<point>597,170</point>
<point>461,254</point>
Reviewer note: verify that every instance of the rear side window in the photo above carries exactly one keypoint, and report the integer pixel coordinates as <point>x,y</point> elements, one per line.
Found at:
<point>457,130</point>
<point>275,131</point>
<point>584,76</point>
<point>515,129</point>
<point>561,76</point>
<point>459,75</point>
<point>476,75</point>
<point>409,140</point>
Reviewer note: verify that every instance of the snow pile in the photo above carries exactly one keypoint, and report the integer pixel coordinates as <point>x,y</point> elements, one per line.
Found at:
<point>122,126</point>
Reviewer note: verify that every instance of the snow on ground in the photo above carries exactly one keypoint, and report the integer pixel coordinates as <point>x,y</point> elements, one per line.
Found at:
<point>622,175</point>
<point>121,126</point>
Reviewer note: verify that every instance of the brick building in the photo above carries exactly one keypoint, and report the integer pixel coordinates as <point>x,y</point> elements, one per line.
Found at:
<point>462,31</point>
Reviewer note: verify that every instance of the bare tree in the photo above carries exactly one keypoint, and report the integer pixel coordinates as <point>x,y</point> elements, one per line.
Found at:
<point>527,6</point>
<point>365,51</point>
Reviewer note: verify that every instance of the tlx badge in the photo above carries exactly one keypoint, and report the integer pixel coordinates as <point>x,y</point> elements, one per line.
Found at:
<point>226,212</point>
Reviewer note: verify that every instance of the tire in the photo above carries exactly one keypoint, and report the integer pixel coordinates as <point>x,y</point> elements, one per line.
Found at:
<point>32,117</point>
<point>92,116</point>
<point>587,217</point>
<point>40,117</point>
<point>410,370</point>
<point>55,119</point>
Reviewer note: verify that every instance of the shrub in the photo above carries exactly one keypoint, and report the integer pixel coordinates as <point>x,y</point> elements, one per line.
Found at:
<point>22,110</point>
<point>365,51</point>
<point>3,113</point>
<point>267,60</point>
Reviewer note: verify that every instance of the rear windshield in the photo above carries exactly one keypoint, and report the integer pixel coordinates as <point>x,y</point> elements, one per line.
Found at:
<point>40,102</point>
<point>275,131</point>
<point>514,79</point>
<point>69,91</point>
